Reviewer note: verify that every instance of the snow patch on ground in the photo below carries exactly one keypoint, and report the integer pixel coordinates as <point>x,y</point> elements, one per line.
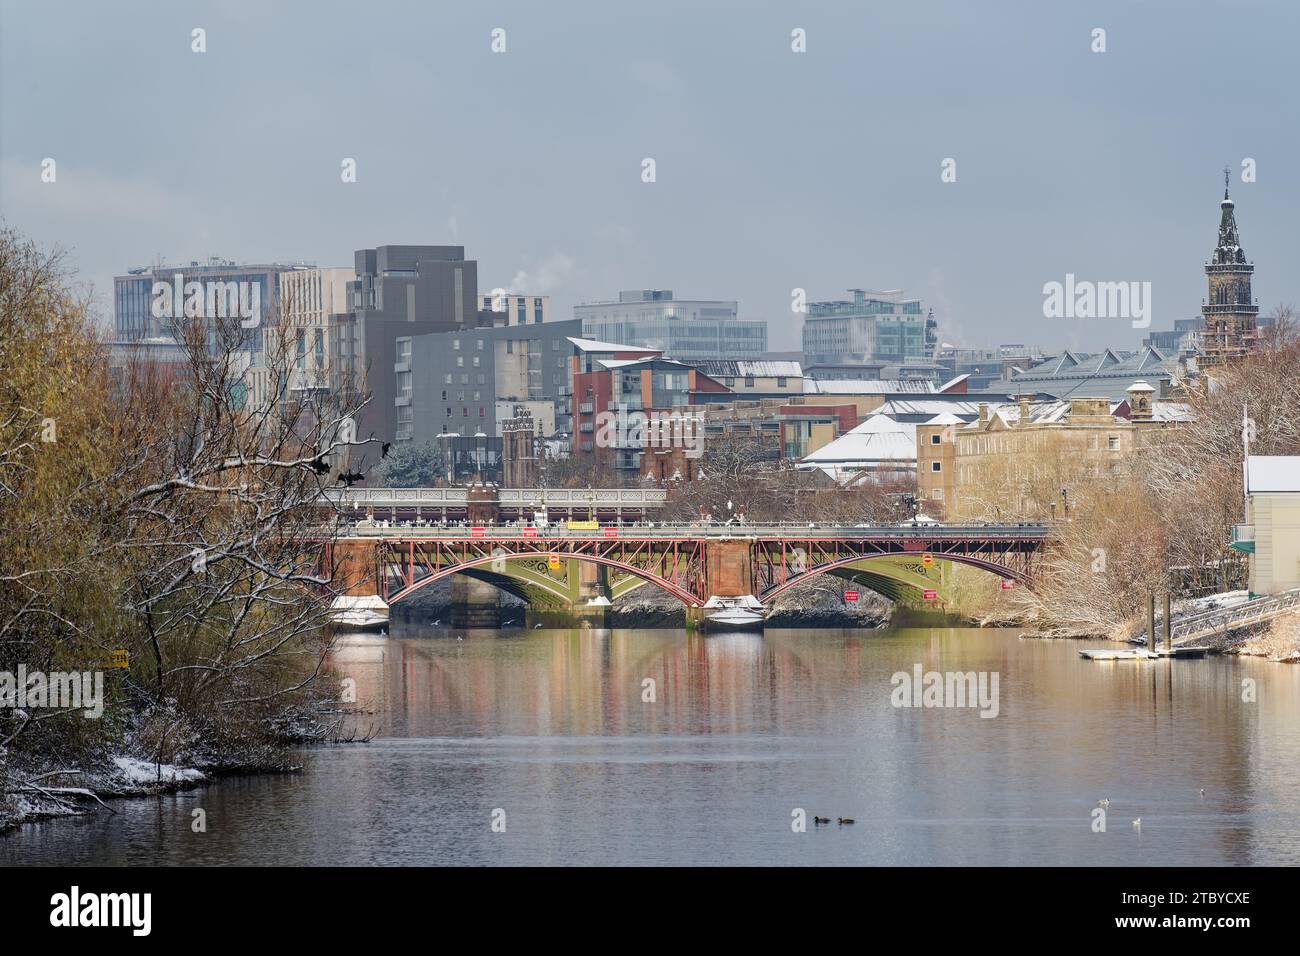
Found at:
<point>142,773</point>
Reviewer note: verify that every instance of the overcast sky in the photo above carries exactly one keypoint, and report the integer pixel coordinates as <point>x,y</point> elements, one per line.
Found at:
<point>775,170</point>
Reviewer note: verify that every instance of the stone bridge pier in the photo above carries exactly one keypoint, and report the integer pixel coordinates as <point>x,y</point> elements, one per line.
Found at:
<point>728,573</point>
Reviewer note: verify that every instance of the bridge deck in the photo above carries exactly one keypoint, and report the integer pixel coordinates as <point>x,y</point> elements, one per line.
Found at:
<point>641,532</point>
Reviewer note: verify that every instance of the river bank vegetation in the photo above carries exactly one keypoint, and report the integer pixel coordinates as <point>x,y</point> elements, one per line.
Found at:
<point>1166,524</point>
<point>155,527</point>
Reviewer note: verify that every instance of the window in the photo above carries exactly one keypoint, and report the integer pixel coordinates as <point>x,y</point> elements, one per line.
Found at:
<point>455,344</point>
<point>749,381</point>
<point>934,439</point>
<point>480,411</point>
<point>1114,443</point>
<point>937,494</point>
<point>480,345</point>
<point>780,381</point>
<point>464,413</point>
<point>510,346</point>
<point>447,379</point>
<point>936,466</point>
<point>460,361</point>
<point>444,394</point>
<point>476,361</point>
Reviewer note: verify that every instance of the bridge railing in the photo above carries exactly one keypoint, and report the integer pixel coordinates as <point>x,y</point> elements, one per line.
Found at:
<point>656,530</point>
<point>1222,619</point>
<point>1226,619</point>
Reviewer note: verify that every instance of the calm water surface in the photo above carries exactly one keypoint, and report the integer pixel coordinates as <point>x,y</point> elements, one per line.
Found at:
<point>551,728</point>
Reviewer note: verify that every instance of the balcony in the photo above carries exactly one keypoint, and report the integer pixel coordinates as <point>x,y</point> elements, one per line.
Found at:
<point>1243,538</point>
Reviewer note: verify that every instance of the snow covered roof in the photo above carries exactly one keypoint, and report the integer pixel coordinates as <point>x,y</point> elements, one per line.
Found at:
<point>877,440</point>
<point>899,407</point>
<point>865,386</point>
<point>738,368</point>
<point>1172,412</point>
<point>947,418</point>
<point>1265,473</point>
<point>594,345</point>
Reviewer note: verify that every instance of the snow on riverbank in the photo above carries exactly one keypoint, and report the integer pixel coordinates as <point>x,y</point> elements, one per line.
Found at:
<point>28,797</point>
<point>142,773</point>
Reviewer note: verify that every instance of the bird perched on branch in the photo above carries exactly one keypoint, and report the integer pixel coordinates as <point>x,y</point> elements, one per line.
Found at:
<point>350,478</point>
<point>320,466</point>
<point>383,451</point>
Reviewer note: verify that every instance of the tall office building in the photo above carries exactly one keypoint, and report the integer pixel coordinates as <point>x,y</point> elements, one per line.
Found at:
<point>399,292</point>
<point>872,326</point>
<point>680,328</point>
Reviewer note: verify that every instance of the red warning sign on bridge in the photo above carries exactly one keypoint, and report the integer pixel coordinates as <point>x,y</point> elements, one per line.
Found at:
<point>930,594</point>
<point>530,532</point>
<point>851,596</point>
<point>1007,584</point>
<point>476,532</point>
<point>611,532</point>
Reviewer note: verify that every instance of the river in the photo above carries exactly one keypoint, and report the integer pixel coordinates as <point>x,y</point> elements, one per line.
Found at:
<point>537,747</point>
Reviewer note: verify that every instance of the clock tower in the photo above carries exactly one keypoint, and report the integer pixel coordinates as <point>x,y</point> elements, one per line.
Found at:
<point>1230,312</point>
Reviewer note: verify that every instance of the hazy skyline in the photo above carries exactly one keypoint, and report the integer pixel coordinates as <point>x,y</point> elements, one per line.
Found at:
<point>775,170</point>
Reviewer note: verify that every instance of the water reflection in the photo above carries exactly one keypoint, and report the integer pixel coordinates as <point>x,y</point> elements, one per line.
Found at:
<point>661,747</point>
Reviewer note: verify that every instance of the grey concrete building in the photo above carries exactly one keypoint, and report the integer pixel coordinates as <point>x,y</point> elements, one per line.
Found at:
<point>400,292</point>
<point>457,378</point>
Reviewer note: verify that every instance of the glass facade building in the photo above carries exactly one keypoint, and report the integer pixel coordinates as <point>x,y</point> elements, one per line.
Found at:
<point>872,326</point>
<point>680,328</point>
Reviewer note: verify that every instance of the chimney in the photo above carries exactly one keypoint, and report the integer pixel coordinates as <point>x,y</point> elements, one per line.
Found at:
<point>1024,401</point>
<point>984,414</point>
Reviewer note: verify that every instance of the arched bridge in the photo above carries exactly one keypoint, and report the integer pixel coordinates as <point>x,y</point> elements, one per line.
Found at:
<point>694,563</point>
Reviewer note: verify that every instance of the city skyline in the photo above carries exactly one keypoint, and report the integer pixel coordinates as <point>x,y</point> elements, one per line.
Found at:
<point>783,189</point>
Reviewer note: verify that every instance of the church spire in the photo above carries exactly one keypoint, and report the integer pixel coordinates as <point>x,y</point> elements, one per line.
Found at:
<point>1229,249</point>
<point>1230,311</point>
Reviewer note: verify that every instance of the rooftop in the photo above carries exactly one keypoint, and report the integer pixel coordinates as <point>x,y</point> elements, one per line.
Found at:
<point>1270,473</point>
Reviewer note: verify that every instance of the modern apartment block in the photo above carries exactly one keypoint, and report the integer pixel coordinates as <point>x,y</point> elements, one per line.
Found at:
<point>308,297</point>
<point>615,384</point>
<point>516,308</point>
<point>399,293</point>
<point>870,327</point>
<point>459,382</point>
<point>682,329</point>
